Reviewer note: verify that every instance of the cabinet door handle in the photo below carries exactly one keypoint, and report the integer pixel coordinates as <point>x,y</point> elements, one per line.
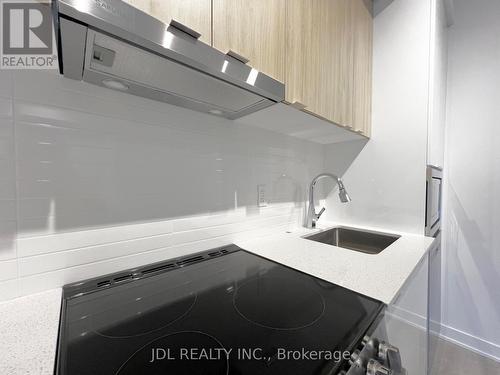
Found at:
<point>298,105</point>
<point>179,26</point>
<point>237,56</point>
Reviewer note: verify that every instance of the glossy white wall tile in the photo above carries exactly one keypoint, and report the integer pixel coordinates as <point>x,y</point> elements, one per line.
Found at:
<point>9,289</point>
<point>6,81</point>
<point>96,181</point>
<point>8,211</point>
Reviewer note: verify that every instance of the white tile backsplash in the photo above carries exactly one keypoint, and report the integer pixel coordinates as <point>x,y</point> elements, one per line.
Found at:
<point>9,289</point>
<point>8,240</point>
<point>8,210</point>
<point>94,181</point>
<point>8,269</point>
<point>79,239</point>
<point>6,83</point>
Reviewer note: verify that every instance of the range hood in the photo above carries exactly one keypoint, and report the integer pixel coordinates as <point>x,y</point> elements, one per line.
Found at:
<point>112,44</point>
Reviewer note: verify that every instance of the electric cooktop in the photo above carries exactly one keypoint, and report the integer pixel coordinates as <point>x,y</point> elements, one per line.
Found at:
<point>220,312</point>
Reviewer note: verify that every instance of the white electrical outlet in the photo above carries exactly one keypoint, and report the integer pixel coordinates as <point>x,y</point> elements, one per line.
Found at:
<point>261,195</point>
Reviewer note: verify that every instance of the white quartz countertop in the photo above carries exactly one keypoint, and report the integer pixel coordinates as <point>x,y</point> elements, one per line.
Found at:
<point>28,331</point>
<point>379,276</point>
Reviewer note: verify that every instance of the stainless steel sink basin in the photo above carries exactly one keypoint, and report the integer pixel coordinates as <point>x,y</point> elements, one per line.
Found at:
<point>354,239</point>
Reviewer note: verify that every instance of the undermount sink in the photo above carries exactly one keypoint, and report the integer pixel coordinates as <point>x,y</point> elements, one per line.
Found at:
<point>368,242</point>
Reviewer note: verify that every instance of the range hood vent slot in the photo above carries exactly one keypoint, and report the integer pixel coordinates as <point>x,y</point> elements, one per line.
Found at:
<point>147,74</point>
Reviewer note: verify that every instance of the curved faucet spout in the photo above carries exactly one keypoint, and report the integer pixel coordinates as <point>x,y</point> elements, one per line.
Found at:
<point>312,216</point>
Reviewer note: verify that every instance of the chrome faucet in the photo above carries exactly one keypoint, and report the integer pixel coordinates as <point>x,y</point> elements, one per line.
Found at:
<point>312,216</point>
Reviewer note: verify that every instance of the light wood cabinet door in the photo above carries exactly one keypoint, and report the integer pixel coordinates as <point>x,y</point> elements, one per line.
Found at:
<point>254,29</point>
<point>362,24</point>
<point>319,54</point>
<point>195,14</point>
<point>320,49</point>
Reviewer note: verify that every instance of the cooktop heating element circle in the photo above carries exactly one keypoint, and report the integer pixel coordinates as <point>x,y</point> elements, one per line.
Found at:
<point>185,352</point>
<point>279,303</point>
<point>116,321</point>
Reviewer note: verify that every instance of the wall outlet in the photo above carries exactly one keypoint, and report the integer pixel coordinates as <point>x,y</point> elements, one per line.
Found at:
<point>261,195</point>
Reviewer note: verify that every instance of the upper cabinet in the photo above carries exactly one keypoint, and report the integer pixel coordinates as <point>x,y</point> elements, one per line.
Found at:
<point>195,14</point>
<point>362,23</point>
<point>254,29</point>
<point>319,69</point>
<point>320,49</point>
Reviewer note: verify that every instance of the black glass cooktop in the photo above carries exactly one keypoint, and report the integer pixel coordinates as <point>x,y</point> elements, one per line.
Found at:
<point>220,312</point>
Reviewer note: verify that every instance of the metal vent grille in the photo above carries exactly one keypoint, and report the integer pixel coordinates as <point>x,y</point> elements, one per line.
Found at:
<point>126,276</point>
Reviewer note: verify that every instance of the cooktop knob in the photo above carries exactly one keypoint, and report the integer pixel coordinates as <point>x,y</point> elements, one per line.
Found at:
<point>354,357</point>
<point>376,368</point>
<point>371,346</point>
<point>357,364</point>
<point>390,356</point>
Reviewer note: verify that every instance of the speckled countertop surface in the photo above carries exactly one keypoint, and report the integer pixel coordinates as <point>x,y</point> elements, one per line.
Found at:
<point>379,276</point>
<point>28,334</point>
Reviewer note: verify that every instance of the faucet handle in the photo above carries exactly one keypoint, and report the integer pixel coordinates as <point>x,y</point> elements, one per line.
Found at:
<point>318,215</point>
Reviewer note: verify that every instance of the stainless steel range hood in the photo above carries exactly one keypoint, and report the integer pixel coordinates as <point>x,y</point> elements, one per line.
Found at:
<point>112,44</point>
